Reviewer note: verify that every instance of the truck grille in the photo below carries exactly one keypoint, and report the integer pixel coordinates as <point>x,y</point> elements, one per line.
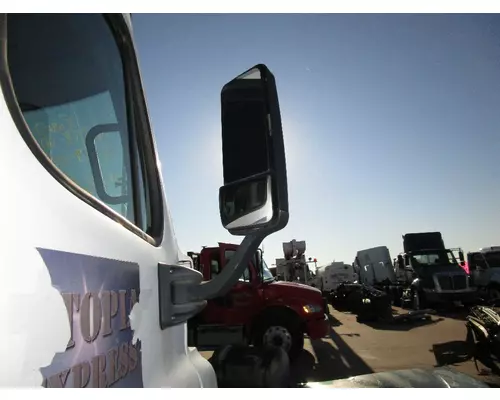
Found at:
<point>459,282</point>
<point>452,282</point>
<point>445,282</point>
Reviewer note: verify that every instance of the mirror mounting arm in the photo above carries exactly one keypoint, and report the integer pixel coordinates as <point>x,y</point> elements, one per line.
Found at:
<point>189,294</point>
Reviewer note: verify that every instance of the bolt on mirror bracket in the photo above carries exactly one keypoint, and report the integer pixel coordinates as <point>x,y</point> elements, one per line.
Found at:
<point>173,282</point>
<point>182,293</point>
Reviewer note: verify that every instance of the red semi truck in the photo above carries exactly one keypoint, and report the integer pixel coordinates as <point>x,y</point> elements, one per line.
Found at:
<point>257,310</point>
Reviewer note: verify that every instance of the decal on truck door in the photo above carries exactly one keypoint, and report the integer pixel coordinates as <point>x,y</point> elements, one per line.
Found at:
<point>99,294</point>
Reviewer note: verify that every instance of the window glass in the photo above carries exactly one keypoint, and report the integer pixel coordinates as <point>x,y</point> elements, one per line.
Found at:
<point>479,261</point>
<point>214,267</point>
<point>246,274</point>
<point>440,257</point>
<point>68,78</point>
<point>145,205</point>
<point>492,259</point>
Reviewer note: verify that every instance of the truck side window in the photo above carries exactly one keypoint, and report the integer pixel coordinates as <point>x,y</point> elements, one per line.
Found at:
<point>69,80</point>
<point>479,261</point>
<point>246,277</point>
<point>214,264</point>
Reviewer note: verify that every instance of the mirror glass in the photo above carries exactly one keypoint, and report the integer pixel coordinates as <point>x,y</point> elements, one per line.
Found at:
<point>254,195</point>
<point>247,203</point>
<point>245,127</point>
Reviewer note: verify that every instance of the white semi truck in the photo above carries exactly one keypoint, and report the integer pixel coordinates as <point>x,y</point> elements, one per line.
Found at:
<point>96,291</point>
<point>484,268</point>
<point>332,275</point>
<point>375,266</point>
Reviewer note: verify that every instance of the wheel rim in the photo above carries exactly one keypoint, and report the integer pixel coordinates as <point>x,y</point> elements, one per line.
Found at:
<point>278,336</point>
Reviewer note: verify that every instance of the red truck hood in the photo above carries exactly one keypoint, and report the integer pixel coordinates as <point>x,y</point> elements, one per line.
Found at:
<point>279,289</point>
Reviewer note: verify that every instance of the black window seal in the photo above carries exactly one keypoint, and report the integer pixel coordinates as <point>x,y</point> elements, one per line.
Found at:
<point>138,121</point>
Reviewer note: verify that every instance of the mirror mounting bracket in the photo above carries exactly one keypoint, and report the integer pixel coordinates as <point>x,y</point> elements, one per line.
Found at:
<point>182,293</point>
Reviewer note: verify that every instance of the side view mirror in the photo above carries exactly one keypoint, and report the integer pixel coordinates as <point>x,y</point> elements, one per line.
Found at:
<point>254,197</point>
<point>253,200</point>
<point>461,256</point>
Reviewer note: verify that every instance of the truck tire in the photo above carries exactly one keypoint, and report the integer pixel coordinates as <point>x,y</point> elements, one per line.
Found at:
<point>280,331</point>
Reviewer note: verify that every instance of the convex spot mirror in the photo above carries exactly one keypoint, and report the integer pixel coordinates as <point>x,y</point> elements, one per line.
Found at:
<point>254,197</point>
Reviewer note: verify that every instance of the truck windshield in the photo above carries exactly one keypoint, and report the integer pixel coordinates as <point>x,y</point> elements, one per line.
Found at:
<point>432,258</point>
<point>493,259</point>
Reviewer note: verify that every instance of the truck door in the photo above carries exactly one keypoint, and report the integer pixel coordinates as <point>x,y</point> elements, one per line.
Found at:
<point>84,210</point>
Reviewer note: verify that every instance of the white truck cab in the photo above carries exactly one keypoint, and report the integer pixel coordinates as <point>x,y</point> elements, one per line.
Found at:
<point>96,292</point>
<point>335,273</point>
<point>89,261</point>
<point>484,267</point>
<point>375,266</point>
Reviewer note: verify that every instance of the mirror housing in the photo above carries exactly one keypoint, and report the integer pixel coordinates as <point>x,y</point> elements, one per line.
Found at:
<point>461,256</point>
<point>253,200</point>
<point>254,197</point>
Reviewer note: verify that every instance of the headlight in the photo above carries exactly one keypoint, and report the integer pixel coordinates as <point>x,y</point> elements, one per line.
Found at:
<point>312,308</point>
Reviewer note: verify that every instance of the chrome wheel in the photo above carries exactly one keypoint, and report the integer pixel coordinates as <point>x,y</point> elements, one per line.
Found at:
<point>278,336</point>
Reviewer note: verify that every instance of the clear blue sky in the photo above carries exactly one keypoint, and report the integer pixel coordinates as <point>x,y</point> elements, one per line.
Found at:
<point>391,123</point>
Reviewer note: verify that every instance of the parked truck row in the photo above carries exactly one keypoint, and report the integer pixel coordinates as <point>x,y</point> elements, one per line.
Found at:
<point>277,306</point>
<point>427,273</point>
